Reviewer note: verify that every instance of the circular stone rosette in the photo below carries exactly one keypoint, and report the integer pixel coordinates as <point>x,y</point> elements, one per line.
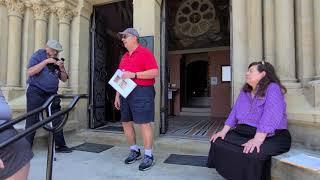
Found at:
<point>195,17</point>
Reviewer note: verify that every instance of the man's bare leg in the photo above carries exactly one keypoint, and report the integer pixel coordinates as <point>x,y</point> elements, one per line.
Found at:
<point>131,139</point>
<point>129,132</point>
<point>147,135</point>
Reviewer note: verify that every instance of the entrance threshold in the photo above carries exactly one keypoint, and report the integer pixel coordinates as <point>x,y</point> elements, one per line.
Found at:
<point>164,142</point>
<point>193,127</point>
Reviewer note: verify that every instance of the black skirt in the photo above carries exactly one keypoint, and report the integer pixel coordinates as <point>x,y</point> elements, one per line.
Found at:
<point>14,156</point>
<point>227,156</point>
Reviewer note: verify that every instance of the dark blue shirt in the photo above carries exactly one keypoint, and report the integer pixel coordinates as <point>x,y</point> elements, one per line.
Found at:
<point>46,79</point>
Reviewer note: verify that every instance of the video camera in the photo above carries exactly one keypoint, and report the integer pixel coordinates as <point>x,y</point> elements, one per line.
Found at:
<point>52,66</point>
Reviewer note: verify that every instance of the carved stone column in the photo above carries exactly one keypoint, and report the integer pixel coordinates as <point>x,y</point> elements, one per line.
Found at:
<point>316,11</point>
<point>269,30</point>
<point>3,41</point>
<point>240,45</point>
<point>254,15</point>
<point>27,40</point>
<point>53,26</point>
<point>15,11</point>
<point>304,40</point>
<point>41,19</point>
<point>65,16</point>
<point>285,41</point>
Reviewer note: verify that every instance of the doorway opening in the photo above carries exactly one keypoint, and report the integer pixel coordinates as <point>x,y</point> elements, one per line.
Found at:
<point>106,52</point>
<point>198,47</point>
<point>197,84</point>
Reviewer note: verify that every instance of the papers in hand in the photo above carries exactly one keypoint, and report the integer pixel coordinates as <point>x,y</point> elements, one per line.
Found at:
<point>123,86</point>
<point>303,161</point>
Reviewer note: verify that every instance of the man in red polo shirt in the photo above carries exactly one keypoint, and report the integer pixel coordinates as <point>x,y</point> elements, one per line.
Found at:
<point>140,65</point>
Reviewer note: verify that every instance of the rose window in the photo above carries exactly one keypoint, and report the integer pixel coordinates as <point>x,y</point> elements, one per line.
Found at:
<point>195,17</point>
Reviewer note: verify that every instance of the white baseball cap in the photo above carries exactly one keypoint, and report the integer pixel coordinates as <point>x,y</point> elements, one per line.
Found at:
<point>54,44</point>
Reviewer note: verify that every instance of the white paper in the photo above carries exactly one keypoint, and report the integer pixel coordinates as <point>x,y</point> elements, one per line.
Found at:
<point>123,86</point>
<point>304,161</point>
<point>169,94</point>
<point>226,73</point>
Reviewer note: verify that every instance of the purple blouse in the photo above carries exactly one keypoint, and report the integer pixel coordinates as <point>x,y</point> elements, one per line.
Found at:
<point>266,113</point>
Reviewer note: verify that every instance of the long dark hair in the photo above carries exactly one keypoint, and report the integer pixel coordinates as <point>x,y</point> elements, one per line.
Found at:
<point>270,77</point>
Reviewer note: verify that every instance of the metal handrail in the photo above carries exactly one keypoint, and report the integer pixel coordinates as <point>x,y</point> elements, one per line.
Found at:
<point>43,123</point>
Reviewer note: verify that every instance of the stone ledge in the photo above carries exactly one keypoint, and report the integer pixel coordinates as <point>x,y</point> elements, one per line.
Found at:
<point>184,145</point>
<point>284,171</point>
<point>306,117</point>
<point>305,128</point>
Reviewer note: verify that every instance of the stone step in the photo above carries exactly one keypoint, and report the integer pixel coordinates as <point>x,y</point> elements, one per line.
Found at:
<point>279,171</point>
<point>189,109</point>
<point>167,143</point>
<point>183,113</point>
<point>199,101</point>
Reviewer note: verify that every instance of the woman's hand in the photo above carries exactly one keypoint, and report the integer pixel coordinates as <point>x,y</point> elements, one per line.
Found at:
<point>220,134</point>
<point>254,143</point>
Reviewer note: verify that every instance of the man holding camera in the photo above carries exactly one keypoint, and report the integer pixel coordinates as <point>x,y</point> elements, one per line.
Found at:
<point>44,71</point>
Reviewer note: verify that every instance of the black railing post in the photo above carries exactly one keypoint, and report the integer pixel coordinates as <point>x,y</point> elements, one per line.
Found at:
<point>50,155</point>
<point>46,123</point>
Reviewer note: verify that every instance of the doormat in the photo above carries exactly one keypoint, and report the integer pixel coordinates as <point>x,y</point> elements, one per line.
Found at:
<point>187,160</point>
<point>111,128</point>
<point>92,147</point>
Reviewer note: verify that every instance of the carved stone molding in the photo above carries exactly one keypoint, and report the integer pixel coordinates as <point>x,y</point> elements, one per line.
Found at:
<point>85,9</point>
<point>2,2</point>
<point>53,10</point>
<point>15,8</point>
<point>27,4</point>
<point>65,15</point>
<point>40,11</point>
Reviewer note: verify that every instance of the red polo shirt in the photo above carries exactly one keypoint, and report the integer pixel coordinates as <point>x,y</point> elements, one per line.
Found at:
<point>141,59</point>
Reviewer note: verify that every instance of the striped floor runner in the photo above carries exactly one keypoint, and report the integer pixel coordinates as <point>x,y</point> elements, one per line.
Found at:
<point>194,126</point>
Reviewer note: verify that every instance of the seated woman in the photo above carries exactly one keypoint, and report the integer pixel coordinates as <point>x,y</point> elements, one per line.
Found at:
<point>14,158</point>
<point>255,130</point>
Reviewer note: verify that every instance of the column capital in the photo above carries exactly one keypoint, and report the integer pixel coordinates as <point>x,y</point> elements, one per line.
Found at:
<point>2,2</point>
<point>84,9</point>
<point>40,11</point>
<point>27,5</point>
<point>15,8</point>
<point>65,15</point>
<point>53,10</point>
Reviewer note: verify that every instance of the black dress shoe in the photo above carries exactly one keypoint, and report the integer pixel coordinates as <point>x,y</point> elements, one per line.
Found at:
<point>63,149</point>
